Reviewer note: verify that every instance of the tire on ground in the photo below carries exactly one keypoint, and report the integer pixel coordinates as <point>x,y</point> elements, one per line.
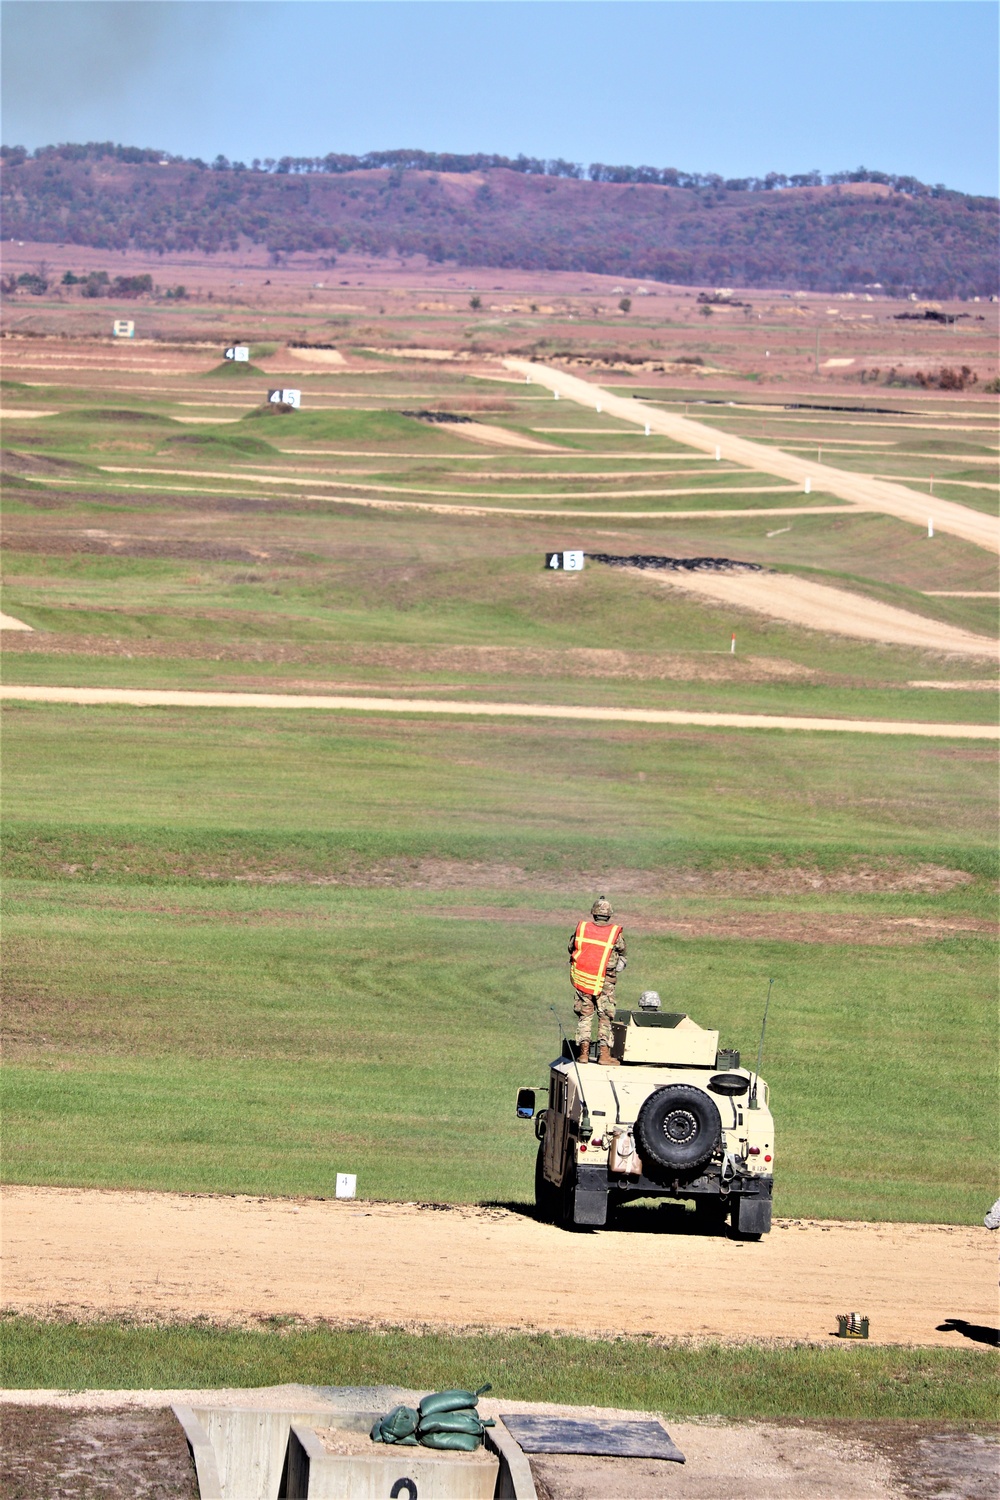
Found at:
<point>678,1127</point>
<point>546,1196</point>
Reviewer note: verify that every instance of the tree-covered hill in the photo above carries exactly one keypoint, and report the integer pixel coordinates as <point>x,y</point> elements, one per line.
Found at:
<point>839,233</point>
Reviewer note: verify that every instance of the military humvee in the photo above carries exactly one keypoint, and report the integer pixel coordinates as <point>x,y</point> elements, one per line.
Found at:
<point>679,1119</point>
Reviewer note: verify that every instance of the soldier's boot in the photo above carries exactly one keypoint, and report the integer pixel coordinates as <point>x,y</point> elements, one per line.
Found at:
<point>604,1057</point>
<point>583,1051</point>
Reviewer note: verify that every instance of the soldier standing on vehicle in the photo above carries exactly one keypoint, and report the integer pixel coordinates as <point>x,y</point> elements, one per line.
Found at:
<point>596,957</point>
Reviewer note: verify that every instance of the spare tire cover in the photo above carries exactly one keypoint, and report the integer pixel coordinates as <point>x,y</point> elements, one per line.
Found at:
<point>678,1127</point>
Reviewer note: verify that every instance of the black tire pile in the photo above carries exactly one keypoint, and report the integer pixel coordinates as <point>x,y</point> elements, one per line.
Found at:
<point>676,564</point>
<point>436,416</point>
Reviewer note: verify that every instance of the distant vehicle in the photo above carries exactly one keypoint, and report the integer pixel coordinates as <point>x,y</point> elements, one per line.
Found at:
<point>679,1119</point>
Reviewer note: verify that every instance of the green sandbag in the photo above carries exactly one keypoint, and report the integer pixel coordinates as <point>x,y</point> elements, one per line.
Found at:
<point>453,1421</point>
<point>378,1436</point>
<point>465,1442</point>
<point>450,1400</point>
<point>399,1423</point>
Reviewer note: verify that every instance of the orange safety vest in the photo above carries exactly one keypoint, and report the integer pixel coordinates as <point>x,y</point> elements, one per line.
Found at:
<point>592,949</point>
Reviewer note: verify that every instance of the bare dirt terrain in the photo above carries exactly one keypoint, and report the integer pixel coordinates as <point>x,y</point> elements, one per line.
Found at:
<point>792,1461</point>
<point>154,698</point>
<point>169,1255</point>
<point>85,1454</point>
<point>800,601</point>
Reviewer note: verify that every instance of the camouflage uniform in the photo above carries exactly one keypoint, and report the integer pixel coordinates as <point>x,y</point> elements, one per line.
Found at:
<point>584,1005</point>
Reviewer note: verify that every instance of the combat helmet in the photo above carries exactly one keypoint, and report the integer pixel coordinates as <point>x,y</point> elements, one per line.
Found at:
<point>601,909</point>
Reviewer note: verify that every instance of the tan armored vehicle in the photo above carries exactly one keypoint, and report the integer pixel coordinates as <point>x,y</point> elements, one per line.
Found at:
<point>678,1119</point>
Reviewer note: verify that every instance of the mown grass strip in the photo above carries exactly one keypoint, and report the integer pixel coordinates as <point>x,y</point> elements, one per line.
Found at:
<point>738,1381</point>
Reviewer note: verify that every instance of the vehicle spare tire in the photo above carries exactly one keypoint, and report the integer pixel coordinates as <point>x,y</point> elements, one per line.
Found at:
<point>678,1127</point>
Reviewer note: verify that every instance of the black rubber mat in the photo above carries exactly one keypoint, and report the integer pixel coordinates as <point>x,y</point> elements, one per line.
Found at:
<point>626,1439</point>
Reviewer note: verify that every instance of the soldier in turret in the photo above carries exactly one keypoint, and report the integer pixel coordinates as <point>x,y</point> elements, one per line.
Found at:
<point>596,957</point>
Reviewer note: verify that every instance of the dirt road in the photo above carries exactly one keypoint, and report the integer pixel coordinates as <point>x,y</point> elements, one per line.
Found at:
<point>800,601</point>
<point>171,1255</point>
<point>873,494</point>
<point>167,698</point>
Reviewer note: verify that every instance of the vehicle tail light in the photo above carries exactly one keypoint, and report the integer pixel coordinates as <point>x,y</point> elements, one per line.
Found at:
<point>767,1158</point>
<point>754,1151</point>
<point>583,1148</point>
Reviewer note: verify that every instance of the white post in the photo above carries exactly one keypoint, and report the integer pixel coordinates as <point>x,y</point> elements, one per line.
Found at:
<point>598,407</point>
<point>808,486</point>
<point>647,429</point>
<point>555,395</point>
<point>718,454</point>
<point>930,525</point>
<point>732,645</point>
<point>932,484</point>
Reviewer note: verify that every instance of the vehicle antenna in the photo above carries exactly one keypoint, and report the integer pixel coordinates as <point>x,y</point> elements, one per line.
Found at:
<point>585,1114</point>
<point>565,1038</point>
<point>760,1049</point>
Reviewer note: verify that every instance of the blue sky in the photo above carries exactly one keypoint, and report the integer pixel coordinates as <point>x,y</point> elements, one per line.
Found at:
<point>731,86</point>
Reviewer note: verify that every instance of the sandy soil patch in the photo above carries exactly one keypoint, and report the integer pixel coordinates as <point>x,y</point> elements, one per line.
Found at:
<point>162,1255</point>
<point>10,414</point>
<point>800,601</point>
<point>7,622</point>
<point>165,698</point>
<point>317,356</point>
<point>488,432</point>
<point>965,685</point>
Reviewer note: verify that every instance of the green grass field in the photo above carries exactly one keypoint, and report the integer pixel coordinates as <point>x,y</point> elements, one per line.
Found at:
<point>245,950</point>
<point>713,1380</point>
<point>237,981</point>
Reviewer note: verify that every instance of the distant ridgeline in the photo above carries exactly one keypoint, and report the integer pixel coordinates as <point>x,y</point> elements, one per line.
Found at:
<point>848,231</point>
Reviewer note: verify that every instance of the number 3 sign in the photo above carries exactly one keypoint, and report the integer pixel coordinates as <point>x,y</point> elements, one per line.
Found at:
<point>566,562</point>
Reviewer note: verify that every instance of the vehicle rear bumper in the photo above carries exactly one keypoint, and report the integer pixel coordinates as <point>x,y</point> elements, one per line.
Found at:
<point>706,1185</point>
